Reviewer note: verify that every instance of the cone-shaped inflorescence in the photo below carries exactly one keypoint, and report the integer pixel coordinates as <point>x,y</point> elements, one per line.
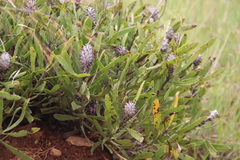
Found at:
<point>154,13</point>
<point>129,111</point>
<point>86,57</point>
<point>91,13</point>
<point>197,61</point>
<point>5,62</point>
<point>120,50</point>
<point>172,67</point>
<point>177,38</point>
<point>167,39</point>
<point>30,6</point>
<point>63,1</point>
<point>212,115</point>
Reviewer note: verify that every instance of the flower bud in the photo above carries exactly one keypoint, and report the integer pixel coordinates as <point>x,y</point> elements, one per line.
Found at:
<point>30,6</point>
<point>5,62</point>
<point>197,61</point>
<point>154,13</point>
<point>167,39</point>
<point>120,50</point>
<point>172,67</point>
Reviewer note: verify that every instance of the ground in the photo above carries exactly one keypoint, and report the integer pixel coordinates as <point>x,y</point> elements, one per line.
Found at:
<point>39,145</point>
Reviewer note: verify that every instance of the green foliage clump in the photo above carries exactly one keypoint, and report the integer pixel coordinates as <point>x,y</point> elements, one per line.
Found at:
<point>115,71</point>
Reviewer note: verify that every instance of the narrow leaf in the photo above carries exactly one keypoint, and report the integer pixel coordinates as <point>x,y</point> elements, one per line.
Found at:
<point>138,136</point>
<point>63,117</point>
<point>16,151</point>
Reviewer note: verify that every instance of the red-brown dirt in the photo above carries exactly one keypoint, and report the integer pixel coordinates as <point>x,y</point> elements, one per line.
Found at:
<point>38,147</point>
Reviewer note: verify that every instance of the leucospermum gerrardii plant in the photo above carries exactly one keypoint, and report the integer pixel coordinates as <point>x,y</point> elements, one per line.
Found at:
<point>157,72</point>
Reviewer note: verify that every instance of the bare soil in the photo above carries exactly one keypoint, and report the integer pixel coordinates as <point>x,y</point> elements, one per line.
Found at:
<point>39,145</point>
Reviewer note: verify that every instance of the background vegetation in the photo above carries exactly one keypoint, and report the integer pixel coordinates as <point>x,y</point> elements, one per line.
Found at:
<point>219,19</point>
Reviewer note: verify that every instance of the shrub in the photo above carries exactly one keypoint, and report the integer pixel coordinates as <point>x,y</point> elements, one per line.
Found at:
<point>122,77</point>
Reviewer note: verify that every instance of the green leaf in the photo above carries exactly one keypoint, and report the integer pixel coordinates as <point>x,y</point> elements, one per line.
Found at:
<point>185,48</point>
<point>140,9</point>
<point>86,30</point>
<point>113,62</point>
<point>95,146</point>
<point>6,95</point>
<point>221,148</point>
<point>160,152</point>
<point>206,68</point>
<point>125,31</point>
<point>188,81</point>
<point>213,75</point>
<point>11,84</point>
<point>139,92</point>
<point>67,45</point>
<point>29,117</point>
<point>63,117</point>
<point>143,43</point>
<point>97,43</point>
<point>19,120</point>
<point>208,44</point>
<point>125,143</point>
<point>188,27</point>
<point>69,76</point>
<point>21,133</point>
<point>192,125</point>
<point>211,149</point>
<point>178,25</point>
<point>189,61</point>
<point>75,106</point>
<point>138,136</point>
<point>98,127</point>
<point>41,87</point>
<point>183,40</point>
<point>109,111</point>
<point>53,90</point>
<point>144,155</point>
<point>65,65</point>
<point>173,110</point>
<point>39,51</point>
<point>16,151</point>
<point>33,56</point>
<point>1,114</point>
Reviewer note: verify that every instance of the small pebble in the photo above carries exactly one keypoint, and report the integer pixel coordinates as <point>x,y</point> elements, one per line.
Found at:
<point>55,152</point>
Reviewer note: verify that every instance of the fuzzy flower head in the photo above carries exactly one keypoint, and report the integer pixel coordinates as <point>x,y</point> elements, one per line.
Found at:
<point>171,57</point>
<point>129,110</point>
<point>154,13</point>
<point>167,39</point>
<point>177,38</point>
<point>86,57</point>
<point>63,1</point>
<point>91,13</point>
<point>5,62</point>
<point>170,33</point>
<point>120,50</point>
<point>212,115</point>
<point>30,5</point>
